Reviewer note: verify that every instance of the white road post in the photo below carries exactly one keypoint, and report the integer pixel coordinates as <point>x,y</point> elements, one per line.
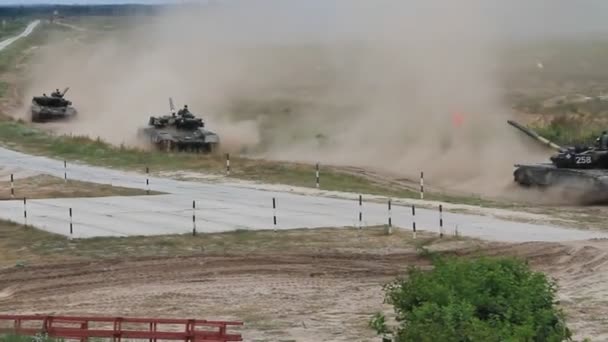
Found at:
<point>65,171</point>
<point>440,221</point>
<point>147,180</point>
<point>390,219</point>
<point>414,220</point>
<point>71,224</point>
<point>228,164</point>
<point>274,213</point>
<point>317,175</point>
<point>360,211</point>
<point>12,187</point>
<point>421,184</point>
<point>193,218</point>
<point>24,212</point>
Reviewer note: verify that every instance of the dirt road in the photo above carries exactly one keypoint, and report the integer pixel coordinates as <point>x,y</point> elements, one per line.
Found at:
<point>26,32</point>
<point>304,297</point>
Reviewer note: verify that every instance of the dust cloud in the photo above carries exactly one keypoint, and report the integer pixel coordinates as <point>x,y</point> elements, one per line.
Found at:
<point>373,84</point>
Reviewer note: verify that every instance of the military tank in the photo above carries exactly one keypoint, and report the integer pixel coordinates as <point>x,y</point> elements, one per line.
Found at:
<point>179,132</point>
<point>580,171</point>
<point>51,108</point>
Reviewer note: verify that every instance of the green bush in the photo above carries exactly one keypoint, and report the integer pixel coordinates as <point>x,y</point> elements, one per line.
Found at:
<point>474,300</point>
<point>567,131</point>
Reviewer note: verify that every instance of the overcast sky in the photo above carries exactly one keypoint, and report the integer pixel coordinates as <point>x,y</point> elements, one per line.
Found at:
<point>85,2</point>
<point>513,17</point>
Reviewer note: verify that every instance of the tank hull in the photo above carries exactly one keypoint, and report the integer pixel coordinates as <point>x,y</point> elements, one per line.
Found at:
<point>200,141</point>
<point>45,114</point>
<point>585,185</point>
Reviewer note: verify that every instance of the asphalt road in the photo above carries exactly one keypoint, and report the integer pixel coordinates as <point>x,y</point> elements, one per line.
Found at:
<point>225,207</point>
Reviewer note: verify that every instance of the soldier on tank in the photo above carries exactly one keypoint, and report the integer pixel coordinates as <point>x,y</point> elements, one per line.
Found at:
<point>184,112</point>
<point>603,140</point>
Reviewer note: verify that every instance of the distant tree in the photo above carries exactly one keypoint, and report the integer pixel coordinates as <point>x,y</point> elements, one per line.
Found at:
<point>474,300</point>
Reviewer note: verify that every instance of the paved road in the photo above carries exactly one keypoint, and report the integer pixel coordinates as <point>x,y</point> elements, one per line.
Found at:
<point>225,207</point>
<point>28,30</point>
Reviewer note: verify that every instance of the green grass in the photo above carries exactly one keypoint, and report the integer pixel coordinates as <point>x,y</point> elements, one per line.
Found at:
<point>569,131</point>
<point>12,28</point>
<point>21,246</point>
<point>44,186</point>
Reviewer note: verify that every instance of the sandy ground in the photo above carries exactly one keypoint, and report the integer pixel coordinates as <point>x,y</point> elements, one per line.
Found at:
<point>324,296</point>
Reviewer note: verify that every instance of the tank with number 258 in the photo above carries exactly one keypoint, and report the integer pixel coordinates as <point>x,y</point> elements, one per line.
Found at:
<point>581,171</point>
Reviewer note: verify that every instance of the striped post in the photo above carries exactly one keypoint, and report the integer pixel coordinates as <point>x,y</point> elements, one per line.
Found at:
<point>390,219</point>
<point>147,180</point>
<point>71,226</point>
<point>65,171</point>
<point>414,220</point>
<point>12,187</point>
<point>24,212</point>
<point>274,213</point>
<point>317,174</point>
<point>440,221</point>
<point>193,218</point>
<point>228,164</point>
<point>421,185</point>
<point>360,211</point>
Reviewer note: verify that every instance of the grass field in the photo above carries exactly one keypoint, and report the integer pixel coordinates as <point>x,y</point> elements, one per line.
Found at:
<point>32,246</point>
<point>9,28</point>
<point>45,186</point>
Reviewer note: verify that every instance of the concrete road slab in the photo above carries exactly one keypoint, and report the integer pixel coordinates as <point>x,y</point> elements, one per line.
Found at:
<point>225,207</point>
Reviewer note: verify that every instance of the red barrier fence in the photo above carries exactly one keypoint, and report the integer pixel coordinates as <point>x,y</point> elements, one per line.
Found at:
<point>117,328</point>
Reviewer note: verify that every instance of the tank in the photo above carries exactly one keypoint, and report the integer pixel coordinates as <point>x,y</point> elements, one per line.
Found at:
<point>179,132</point>
<point>579,171</point>
<point>52,108</point>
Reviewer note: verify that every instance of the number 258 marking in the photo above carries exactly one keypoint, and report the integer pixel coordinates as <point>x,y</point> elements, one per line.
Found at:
<point>583,160</point>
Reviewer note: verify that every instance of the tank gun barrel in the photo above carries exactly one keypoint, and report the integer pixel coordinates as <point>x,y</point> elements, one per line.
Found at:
<point>535,135</point>
<point>171,106</point>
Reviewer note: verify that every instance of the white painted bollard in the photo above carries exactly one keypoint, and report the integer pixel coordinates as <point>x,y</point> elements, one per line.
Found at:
<point>65,171</point>
<point>12,187</point>
<point>360,211</point>
<point>414,220</point>
<point>274,213</point>
<point>71,224</point>
<point>24,212</point>
<point>390,219</point>
<point>422,185</point>
<point>147,180</point>
<point>193,218</point>
<point>440,221</point>
<point>228,164</point>
<point>317,175</point>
